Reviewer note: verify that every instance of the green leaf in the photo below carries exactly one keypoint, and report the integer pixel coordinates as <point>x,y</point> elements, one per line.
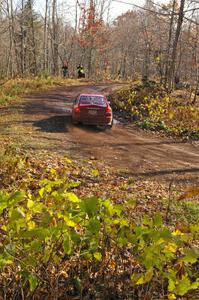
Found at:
<point>157,220</point>
<point>147,221</point>
<point>94,226</point>
<point>191,256</point>
<point>67,160</point>
<point>69,222</point>
<point>109,207</point>
<point>76,238</point>
<point>95,173</point>
<point>33,281</point>
<point>118,209</point>
<point>171,296</point>
<point>37,207</point>
<point>90,205</point>
<point>15,198</point>
<point>36,246</point>
<point>183,286</point>
<point>16,214</point>
<point>171,286</point>
<point>3,205</point>
<point>149,275</point>
<point>135,277</point>
<point>41,192</point>
<point>141,244</point>
<point>86,254</point>
<point>195,285</point>
<point>30,203</point>
<point>67,244</point>
<point>57,259</point>
<point>46,218</point>
<point>5,259</point>
<point>97,255</point>
<point>39,233</point>
<point>78,284</point>
<point>46,255</point>
<point>143,278</point>
<point>72,197</point>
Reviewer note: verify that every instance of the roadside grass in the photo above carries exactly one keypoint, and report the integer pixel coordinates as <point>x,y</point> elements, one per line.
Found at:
<point>150,107</point>
<point>190,211</point>
<point>81,229</point>
<point>13,89</point>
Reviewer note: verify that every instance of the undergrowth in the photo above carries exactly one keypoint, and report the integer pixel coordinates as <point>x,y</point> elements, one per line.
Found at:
<point>150,107</point>
<point>72,230</point>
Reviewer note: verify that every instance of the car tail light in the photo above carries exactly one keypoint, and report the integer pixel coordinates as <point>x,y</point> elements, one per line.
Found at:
<point>108,109</point>
<point>77,109</point>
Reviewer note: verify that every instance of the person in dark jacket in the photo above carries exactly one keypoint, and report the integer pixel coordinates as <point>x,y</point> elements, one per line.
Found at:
<point>80,72</point>
<point>65,69</point>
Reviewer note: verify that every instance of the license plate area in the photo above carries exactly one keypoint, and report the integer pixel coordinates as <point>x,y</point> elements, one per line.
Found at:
<point>92,112</point>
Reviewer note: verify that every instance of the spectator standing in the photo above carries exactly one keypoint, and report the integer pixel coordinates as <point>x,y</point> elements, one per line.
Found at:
<point>65,69</point>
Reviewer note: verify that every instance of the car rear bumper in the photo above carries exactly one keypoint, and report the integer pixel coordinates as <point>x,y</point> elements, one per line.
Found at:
<point>92,120</point>
<point>95,122</point>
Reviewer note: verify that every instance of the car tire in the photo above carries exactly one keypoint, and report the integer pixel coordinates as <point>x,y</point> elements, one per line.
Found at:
<point>101,127</point>
<point>110,125</point>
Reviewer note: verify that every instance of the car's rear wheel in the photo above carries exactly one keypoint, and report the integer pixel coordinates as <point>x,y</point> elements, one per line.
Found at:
<point>101,127</point>
<point>109,126</point>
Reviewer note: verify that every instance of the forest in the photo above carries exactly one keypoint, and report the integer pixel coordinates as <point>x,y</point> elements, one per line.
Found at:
<point>88,212</point>
<point>154,41</point>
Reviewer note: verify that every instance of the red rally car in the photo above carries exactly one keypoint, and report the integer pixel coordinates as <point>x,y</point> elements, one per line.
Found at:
<point>92,109</point>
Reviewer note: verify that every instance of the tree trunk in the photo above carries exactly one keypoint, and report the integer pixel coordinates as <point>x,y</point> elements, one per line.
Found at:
<point>55,54</point>
<point>167,67</point>
<point>175,44</point>
<point>34,65</point>
<point>13,46</point>
<point>45,44</point>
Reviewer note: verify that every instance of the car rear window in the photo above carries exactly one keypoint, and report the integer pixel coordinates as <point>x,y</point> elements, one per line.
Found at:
<point>92,100</point>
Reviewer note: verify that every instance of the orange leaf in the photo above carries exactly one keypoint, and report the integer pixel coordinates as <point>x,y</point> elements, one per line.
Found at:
<point>190,193</point>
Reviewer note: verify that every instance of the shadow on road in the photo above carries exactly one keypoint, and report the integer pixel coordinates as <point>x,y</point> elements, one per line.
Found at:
<point>54,124</point>
<point>61,124</point>
<point>166,172</point>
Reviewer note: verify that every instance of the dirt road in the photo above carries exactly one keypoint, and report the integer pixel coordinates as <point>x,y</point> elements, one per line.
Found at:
<point>43,122</point>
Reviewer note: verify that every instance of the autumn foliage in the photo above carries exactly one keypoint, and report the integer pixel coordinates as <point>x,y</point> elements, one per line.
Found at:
<point>151,107</point>
<point>61,236</point>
